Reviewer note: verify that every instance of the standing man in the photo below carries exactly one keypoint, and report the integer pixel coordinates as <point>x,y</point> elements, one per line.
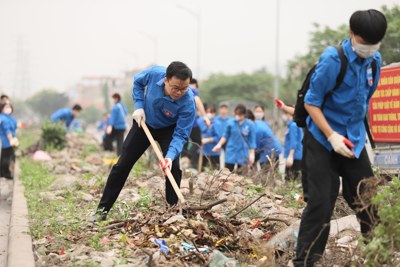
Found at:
<point>66,114</point>
<point>117,123</point>
<point>164,102</point>
<point>195,135</point>
<point>335,137</point>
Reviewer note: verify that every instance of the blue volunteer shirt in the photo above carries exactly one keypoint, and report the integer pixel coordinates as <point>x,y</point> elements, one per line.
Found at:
<point>222,123</point>
<point>195,92</point>
<point>163,111</point>
<point>293,139</point>
<point>209,132</point>
<point>240,138</point>
<point>5,129</point>
<point>13,124</point>
<point>117,116</point>
<point>63,114</point>
<point>267,143</point>
<point>345,109</point>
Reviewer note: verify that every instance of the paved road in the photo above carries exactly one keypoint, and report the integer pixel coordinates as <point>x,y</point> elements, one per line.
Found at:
<point>5,211</point>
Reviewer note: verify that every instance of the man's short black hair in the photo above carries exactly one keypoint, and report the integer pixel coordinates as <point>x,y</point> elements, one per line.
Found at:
<point>223,106</point>
<point>241,109</point>
<point>194,81</point>
<point>179,70</point>
<point>4,96</point>
<point>369,24</point>
<point>77,107</point>
<point>117,96</point>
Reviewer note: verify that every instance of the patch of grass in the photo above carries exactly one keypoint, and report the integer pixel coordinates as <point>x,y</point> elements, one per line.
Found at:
<point>28,137</point>
<point>51,218</point>
<point>90,149</point>
<point>253,190</point>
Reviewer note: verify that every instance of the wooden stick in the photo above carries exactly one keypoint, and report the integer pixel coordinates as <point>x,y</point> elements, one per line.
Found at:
<point>161,158</point>
<point>209,206</point>
<point>251,203</point>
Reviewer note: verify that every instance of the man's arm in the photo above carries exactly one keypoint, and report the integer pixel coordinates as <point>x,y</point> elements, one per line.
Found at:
<point>141,80</point>
<point>201,109</point>
<point>319,119</point>
<point>182,131</point>
<point>340,144</point>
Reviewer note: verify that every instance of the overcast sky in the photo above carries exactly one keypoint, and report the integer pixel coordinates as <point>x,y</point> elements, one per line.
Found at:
<point>62,40</point>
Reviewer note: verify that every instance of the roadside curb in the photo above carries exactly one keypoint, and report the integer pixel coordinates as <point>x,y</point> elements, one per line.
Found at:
<point>19,240</point>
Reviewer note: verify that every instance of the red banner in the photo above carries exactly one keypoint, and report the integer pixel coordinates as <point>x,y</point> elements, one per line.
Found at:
<point>384,109</point>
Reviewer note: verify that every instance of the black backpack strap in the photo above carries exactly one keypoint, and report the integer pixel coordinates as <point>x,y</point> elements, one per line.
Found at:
<point>366,124</point>
<point>343,66</point>
<point>342,72</point>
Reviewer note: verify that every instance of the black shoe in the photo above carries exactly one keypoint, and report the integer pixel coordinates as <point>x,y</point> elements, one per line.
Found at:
<point>98,217</point>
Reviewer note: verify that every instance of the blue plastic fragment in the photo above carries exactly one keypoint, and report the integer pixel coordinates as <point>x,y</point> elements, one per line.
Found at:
<point>163,245</point>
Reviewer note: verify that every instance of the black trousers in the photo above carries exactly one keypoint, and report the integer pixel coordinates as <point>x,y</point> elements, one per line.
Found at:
<point>212,162</point>
<point>134,146</point>
<point>118,136</point>
<point>293,172</point>
<point>323,169</point>
<point>7,163</point>
<point>107,143</point>
<point>191,153</point>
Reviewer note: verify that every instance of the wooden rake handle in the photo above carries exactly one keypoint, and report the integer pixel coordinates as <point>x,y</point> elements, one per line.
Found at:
<point>161,158</point>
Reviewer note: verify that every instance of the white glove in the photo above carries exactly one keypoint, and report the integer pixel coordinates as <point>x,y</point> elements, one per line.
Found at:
<point>289,161</point>
<point>217,148</point>
<point>341,145</point>
<point>14,142</point>
<point>251,158</point>
<point>139,116</point>
<point>109,129</point>
<point>166,164</point>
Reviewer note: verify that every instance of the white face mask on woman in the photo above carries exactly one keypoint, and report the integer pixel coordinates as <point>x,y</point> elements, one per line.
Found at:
<point>363,50</point>
<point>259,116</point>
<point>7,111</point>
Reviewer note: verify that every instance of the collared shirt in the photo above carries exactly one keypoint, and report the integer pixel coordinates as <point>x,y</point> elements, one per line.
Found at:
<point>345,109</point>
<point>117,116</point>
<point>209,132</point>
<point>195,92</point>
<point>267,143</point>
<point>293,139</point>
<point>163,111</point>
<point>63,114</point>
<point>222,124</point>
<point>5,129</point>
<point>240,138</point>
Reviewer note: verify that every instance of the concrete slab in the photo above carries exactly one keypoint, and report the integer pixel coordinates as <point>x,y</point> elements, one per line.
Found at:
<point>5,214</point>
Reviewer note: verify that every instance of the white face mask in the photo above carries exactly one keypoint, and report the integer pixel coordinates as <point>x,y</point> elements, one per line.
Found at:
<point>258,116</point>
<point>365,51</point>
<point>239,118</point>
<point>209,115</point>
<point>7,111</point>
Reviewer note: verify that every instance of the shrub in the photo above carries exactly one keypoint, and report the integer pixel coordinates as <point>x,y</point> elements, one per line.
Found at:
<point>53,135</point>
<point>383,249</point>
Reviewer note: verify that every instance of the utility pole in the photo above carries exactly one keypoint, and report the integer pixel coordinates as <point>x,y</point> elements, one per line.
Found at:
<point>277,71</point>
<point>197,16</point>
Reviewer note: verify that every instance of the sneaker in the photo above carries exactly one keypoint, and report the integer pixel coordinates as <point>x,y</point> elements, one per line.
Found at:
<point>98,217</point>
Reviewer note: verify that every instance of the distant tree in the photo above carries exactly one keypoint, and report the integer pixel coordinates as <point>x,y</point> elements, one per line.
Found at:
<point>47,101</point>
<point>106,96</point>
<point>390,48</point>
<point>257,87</point>
<point>128,101</point>
<point>298,67</point>
<point>91,114</point>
